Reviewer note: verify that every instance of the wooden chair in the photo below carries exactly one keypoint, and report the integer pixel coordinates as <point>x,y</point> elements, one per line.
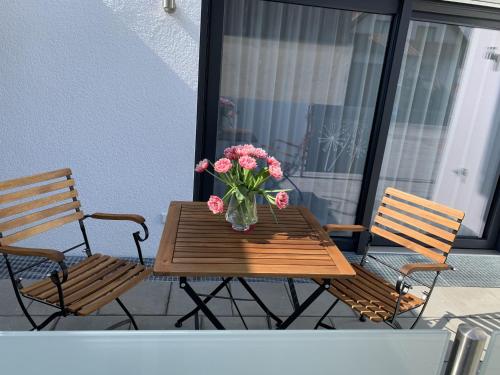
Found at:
<point>414,223</point>
<point>77,290</point>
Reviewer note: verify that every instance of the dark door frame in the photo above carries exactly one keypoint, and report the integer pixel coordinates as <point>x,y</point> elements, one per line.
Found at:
<point>403,11</point>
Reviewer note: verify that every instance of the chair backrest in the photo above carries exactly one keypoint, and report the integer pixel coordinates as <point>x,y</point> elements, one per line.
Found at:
<point>418,224</point>
<point>42,204</point>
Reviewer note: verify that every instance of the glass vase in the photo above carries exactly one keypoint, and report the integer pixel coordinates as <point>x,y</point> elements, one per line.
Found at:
<point>242,214</point>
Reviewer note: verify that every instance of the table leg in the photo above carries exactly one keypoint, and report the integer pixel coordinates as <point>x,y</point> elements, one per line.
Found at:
<point>225,281</point>
<point>199,303</point>
<point>301,308</point>
<point>293,292</point>
<point>258,300</point>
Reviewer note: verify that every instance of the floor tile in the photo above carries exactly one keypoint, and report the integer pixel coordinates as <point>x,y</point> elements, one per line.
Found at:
<point>9,304</point>
<point>95,322</point>
<point>235,323</point>
<point>15,323</point>
<point>274,296</point>
<point>457,302</point>
<point>306,322</point>
<point>322,303</point>
<point>149,322</point>
<point>180,303</point>
<point>147,298</point>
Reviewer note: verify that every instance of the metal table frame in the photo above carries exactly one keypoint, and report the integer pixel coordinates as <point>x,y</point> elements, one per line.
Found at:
<point>201,304</point>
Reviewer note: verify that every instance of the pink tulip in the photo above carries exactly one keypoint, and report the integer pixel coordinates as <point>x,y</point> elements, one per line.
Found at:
<point>215,204</point>
<point>230,153</point>
<point>247,162</point>
<point>272,161</point>
<point>275,171</point>
<point>281,200</point>
<point>259,153</point>
<point>201,166</point>
<point>223,165</point>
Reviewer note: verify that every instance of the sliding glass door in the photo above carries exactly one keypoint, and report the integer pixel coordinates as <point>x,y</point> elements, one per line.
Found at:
<point>354,96</point>
<point>302,82</point>
<point>444,136</point>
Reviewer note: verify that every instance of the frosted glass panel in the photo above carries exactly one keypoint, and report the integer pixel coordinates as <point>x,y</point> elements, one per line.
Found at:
<point>491,364</point>
<point>224,353</point>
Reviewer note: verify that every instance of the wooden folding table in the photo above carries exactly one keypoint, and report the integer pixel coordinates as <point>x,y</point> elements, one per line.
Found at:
<point>197,243</point>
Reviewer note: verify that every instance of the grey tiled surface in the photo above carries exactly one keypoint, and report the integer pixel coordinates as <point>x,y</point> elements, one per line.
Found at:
<point>158,304</point>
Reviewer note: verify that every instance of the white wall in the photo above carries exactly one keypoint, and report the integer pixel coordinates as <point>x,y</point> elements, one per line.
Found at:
<point>107,88</point>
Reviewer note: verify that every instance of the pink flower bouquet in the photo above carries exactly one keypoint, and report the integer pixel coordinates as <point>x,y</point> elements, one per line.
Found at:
<point>244,169</point>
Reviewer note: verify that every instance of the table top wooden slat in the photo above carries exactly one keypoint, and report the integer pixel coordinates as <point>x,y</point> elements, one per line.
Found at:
<point>197,243</point>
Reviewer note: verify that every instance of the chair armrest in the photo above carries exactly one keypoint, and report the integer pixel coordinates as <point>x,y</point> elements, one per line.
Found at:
<point>127,217</point>
<point>344,228</point>
<point>53,255</point>
<point>409,268</point>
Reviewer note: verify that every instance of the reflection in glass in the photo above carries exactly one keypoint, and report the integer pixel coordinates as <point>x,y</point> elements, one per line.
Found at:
<point>444,132</point>
<point>302,82</point>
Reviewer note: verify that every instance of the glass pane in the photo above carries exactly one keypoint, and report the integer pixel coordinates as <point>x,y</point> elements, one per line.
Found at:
<point>295,352</point>
<point>444,133</point>
<point>302,83</point>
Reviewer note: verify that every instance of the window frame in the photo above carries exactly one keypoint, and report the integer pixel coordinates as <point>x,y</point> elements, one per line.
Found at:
<point>403,12</point>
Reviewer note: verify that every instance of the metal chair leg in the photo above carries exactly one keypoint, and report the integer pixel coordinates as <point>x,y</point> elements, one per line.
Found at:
<point>132,320</point>
<point>320,321</point>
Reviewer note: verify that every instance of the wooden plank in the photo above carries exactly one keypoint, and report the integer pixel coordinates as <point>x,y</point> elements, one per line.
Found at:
<point>77,305</point>
<point>36,216</point>
<point>448,236</point>
<point>221,250</point>
<point>181,236</point>
<point>216,226</point>
<point>235,240</point>
<point>202,237</point>
<point>229,231</point>
<point>40,228</point>
<point>426,203</point>
<point>88,271</point>
<point>336,255</point>
<point>117,292</point>
<point>246,270</point>
<point>37,190</point>
<point>71,291</point>
<point>246,246</point>
<point>71,271</point>
<point>353,304</point>
<point>251,261</point>
<point>27,206</point>
<point>240,255</point>
<point>169,235</point>
<point>363,303</point>
<point>94,287</point>
<point>444,221</point>
<point>378,299</point>
<point>407,243</point>
<point>413,234</point>
<point>30,180</point>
